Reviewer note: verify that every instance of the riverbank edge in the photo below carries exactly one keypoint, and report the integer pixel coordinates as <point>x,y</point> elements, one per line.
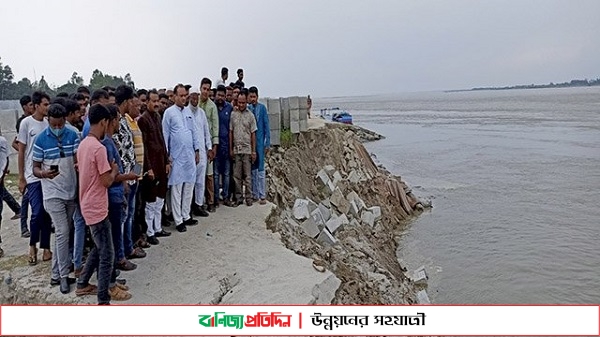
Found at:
<point>355,243</point>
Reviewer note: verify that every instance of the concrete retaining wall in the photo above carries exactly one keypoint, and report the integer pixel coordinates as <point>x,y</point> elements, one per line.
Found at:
<point>9,113</point>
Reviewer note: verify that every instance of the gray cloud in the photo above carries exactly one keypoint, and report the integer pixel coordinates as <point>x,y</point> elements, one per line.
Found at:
<point>298,47</point>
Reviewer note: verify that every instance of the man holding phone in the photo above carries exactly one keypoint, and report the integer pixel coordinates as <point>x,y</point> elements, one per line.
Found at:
<point>54,162</point>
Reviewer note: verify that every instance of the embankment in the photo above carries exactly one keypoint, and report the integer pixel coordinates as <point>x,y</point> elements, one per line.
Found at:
<point>337,245</point>
<point>338,208</point>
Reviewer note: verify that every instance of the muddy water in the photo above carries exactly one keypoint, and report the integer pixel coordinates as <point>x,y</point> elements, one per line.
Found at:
<point>515,181</point>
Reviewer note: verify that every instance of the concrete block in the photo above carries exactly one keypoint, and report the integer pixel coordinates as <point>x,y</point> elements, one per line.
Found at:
<point>422,297</point>
<point>353,177</point>
<point>300,210</point>
<point>330,186</point>
<point>367,218</point>
<point>285,112</point>
<point>338,200</point>
<point>376,210</point>
<point>311,228</point>
<point>330,169</point>
<point>317,217</point>
<point>295,121</point>
<point>420,276</point>
<point>311,205</point>
<point>303,125</point>
<point>322,177</point>
<point>359,202</point>
<point>324,292</point>
<point>354,223</point>
<point>325,212</point>
<point>294,102</point>
<point>303,102</point>
<point>326,238</point>
<point>344,220</point>
<point>303,114</point>
<point>333,224</point>
<point>337,177</point>
<point>275,137</point>
<point>274,106</point>
<point>274,121</point>
<point>354,209</point>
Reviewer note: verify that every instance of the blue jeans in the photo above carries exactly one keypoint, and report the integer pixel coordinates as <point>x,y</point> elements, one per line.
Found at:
<point>222,166</point>
<point>79,237</point>
<point>128,220</point>
<point>101,258</point>
<point>258,184</point>
<point>40,220</point>
<point>115,215</point>
<point>24,212</point>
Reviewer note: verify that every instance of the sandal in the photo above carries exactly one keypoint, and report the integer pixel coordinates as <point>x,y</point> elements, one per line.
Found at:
<point>118,294</point>
<point>47,255</point>
<point>1,252</point>
<point>143,243</point>
<point>89,290</point>
<point>33,257</point>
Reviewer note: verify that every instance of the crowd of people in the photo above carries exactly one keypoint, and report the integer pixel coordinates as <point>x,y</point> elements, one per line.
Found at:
<point>107,171</point>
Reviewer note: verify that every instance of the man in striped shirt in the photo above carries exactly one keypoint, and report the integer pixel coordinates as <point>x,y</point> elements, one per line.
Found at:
<point>54,163</point>
<point>124,140</point>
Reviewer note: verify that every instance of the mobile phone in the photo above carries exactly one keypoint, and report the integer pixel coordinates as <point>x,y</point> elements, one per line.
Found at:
<point>137,169</point>
<point>54,168</point>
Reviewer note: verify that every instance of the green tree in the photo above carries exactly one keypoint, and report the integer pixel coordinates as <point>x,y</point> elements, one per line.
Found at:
<point>70,87</point>
<point>99,80</point>
<point>6,82</point>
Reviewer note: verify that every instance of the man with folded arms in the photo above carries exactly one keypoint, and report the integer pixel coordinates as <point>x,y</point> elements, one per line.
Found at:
<point>156,164</point>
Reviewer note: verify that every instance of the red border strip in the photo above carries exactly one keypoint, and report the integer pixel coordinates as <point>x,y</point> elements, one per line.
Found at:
<point>598,321</point>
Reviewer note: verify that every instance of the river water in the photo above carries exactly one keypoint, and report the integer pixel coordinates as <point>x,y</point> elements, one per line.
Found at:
<point>514,177</point>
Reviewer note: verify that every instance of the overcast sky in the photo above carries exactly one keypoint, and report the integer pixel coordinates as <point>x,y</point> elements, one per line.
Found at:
<point>322,48</point>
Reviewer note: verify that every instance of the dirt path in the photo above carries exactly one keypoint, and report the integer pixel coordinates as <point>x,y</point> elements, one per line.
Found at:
<point>230,257</point>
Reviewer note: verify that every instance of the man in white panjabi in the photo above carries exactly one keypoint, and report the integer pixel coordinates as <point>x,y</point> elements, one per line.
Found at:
<point>205,145</point>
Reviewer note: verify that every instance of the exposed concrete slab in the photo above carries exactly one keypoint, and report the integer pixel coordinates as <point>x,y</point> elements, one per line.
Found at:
<point>311,228</point>
<point>325,211</point>
<point>338,200</point>
<point>300,210</point>
<point>376,210</point>
<point>326,238</point>
<point>367,218</point>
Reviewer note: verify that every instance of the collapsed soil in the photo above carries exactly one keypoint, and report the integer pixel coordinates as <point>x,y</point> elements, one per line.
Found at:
<point>364,258</point>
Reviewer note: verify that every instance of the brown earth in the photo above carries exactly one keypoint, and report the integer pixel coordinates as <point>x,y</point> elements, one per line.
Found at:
<point>365,257</point>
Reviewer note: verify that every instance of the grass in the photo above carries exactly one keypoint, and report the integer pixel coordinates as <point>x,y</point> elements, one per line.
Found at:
<point>287,138</point>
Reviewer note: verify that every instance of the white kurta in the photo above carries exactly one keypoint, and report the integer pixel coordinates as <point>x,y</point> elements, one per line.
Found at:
<point>182,140</point>
<point>205,145</point>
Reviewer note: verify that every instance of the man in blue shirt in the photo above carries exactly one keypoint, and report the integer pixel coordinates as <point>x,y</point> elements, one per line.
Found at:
<point>54,162</point>
<point>222,162</point>
<point>263,144</point>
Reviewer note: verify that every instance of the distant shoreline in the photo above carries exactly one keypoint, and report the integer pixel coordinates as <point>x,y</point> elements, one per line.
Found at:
<point>571,84</point>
